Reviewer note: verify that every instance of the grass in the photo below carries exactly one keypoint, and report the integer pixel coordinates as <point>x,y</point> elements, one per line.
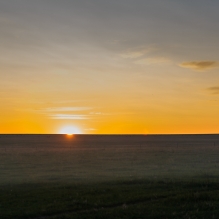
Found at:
<point>43,177</point>
<point>114,199</point>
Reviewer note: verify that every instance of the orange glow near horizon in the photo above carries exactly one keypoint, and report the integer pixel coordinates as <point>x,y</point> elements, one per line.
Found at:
<point>130,124</point>
<point>69,136</point>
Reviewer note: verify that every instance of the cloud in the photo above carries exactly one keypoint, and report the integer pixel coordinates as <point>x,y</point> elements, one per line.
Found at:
<point>144,55</point>
<point>199,65</point>
<point>137,52</point>
<point>213,90</point>
<point>152,61</point>
<point>67,113</point>
<point>91,129</point>
<point>66,109</point>
<point>69,116</point>
<point>132,54</point>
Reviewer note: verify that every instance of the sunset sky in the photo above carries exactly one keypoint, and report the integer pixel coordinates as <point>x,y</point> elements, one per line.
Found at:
<point>118,66</point>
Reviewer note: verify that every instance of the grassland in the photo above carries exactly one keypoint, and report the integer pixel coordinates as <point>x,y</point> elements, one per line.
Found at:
<point>191,198</point>
<point>50,177</point>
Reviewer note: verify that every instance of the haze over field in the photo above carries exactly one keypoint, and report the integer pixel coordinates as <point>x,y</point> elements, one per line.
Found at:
<point>116,66</point>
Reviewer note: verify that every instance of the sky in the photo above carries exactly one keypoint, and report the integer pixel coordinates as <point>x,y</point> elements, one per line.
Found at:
<point>109,67</point>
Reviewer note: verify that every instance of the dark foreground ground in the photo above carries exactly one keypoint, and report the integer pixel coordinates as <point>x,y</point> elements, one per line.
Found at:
<point>109,176</point>
<point>194,198</point>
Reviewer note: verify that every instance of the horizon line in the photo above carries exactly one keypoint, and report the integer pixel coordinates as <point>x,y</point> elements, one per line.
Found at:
<point>111,134</point>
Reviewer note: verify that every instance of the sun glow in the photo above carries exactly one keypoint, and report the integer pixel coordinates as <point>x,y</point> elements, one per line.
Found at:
<point>70,130</point>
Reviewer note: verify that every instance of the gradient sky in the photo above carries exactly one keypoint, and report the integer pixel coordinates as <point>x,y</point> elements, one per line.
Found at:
<point>119,66</point>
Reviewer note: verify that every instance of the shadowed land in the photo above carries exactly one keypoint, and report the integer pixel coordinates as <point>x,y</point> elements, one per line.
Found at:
<point>51,176</point>
<point>119,199</point>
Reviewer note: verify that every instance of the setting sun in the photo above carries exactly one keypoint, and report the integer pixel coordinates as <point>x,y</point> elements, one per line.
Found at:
<point>70,130</point>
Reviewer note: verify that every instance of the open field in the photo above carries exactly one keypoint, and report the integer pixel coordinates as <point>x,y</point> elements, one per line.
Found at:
<point>52,176</point>
<point>118,199</point>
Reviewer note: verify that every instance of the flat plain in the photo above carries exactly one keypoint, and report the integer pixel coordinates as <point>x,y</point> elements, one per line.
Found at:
<point>109,176</point>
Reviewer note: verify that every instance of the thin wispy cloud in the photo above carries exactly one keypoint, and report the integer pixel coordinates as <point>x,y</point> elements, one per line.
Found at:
<point>152,61</point>
<point>90,129</point>
<point>69,116</point>
<point>144,56</point>
<point>200,65</point>
<point>67,109</point>
<point>213,90</point>
<point>134,53</point>
<point>67,113</point>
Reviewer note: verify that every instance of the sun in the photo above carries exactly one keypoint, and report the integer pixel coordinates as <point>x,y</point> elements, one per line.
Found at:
<point>70,130</point>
